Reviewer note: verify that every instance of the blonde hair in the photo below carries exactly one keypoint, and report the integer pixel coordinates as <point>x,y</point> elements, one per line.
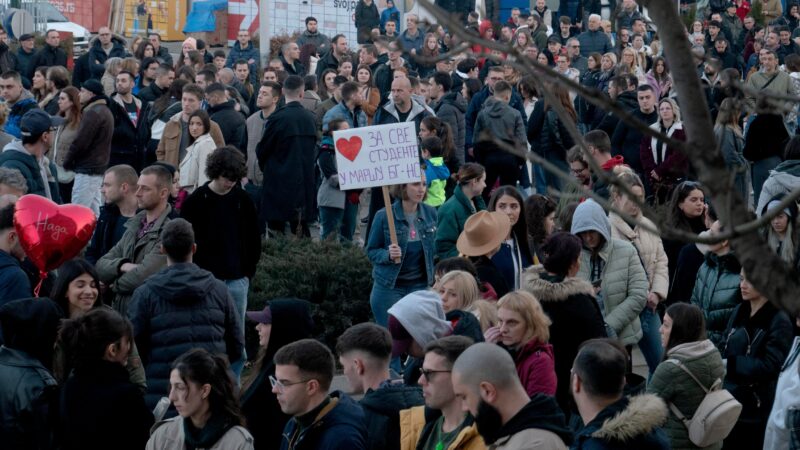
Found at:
<point>486,313</point>
<point>465,285</point>
<point>537,324</point>
<point>676,110</point>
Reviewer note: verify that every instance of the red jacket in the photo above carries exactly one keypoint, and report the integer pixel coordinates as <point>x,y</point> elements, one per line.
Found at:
<point>536,368</point>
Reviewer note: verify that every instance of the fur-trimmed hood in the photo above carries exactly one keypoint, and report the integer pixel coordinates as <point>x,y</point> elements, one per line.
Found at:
<point>548,291</point>
<point>642,415</point>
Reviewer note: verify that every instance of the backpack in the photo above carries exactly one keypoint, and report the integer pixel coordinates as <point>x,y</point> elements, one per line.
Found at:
<point>715,416</point>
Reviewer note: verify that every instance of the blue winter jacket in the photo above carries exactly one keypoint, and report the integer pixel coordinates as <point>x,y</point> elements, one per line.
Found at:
<point>340,111</point>
<point>15,115</point>
<point>14,284</point>
<point>339,426</point>
<point>247,54</point>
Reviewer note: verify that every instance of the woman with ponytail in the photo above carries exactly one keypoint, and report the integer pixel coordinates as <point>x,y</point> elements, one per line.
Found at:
<point>203,392</point>
<point>100,407</point>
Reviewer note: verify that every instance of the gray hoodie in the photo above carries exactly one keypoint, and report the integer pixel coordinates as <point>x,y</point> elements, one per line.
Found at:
<point>498,120</point>
<point>590,216</point>
<point>39,187</point>
<point>421,314</point>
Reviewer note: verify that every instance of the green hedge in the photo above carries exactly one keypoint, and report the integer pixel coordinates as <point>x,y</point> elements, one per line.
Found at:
<point>336,278</point>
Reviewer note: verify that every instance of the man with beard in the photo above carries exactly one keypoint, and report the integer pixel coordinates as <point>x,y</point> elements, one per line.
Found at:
<point>611,419</point>
<point>441,423</point>
<point>485,379</point>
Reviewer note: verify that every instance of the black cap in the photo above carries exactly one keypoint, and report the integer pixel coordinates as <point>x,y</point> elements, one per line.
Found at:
<point>26,36</point>
<point>36,121</point>
<point>93,86</point>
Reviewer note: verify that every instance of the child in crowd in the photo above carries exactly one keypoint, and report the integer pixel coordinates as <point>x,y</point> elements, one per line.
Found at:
<point>435,171</point>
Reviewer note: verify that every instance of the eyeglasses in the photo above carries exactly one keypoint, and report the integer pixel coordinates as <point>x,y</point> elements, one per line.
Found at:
<point>282,385</point>
<point>427,373</point>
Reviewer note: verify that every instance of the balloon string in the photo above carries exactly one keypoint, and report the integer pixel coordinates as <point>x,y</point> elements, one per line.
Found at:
<point>42,276</point>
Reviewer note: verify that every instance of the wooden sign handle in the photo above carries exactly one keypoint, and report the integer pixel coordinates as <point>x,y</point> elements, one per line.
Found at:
<point>390,218</point>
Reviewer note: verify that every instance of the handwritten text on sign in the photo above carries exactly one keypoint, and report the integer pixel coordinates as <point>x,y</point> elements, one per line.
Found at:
<point>379,155</point>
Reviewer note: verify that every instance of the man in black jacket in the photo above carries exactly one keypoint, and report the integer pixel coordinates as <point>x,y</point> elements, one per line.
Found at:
<point>286,155</point>
<point>182,306</point>
<point>165,74</point>
<point>622,93</point>
<point>29,390</point>
<point>105,46</point>
<point>449,106</point>
<point>485,378</point>
<point>626,139</point>
<point>161,52</point>
<point>231,122</point>
<point>127,111</point>
<point>364,352</point>
<point>225,225</point>
<point>49,55</point>
<point>119,193</point>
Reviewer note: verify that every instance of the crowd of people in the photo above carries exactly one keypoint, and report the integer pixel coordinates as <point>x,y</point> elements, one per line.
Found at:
<point>507,309</point>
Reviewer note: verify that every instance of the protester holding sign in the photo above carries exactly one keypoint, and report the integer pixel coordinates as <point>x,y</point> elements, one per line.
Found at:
<point>407,266</point>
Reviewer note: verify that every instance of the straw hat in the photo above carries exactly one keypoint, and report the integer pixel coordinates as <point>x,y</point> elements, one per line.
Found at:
<point>483,232</point>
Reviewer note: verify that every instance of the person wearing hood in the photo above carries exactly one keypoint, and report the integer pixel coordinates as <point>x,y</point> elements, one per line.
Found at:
<point>222,112</point>
<point>450,107</point>
<point>391,13</point>
<point>321,420</point>
<point>365,351</point>
<point>759,337</point>
<point>106,45</point>
<point>311,35</point>
<point>281,322</point>
<point>419,318</point>
<point>442,423</point>
<point>692,365</point>
<point>612,420</point>
<point>90,151</point>
<point>484,377</point>
<point>27,155</point>
<point>182,306</point>
<point>569,303</point>
<point>498,121</point>
<point>784,178</point>
<point>782,233</point>
<point>613,267</point>
<point>524,330</point>
<point>29,392</point>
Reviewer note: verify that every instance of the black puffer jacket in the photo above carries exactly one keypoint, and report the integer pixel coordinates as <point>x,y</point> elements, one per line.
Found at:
<point>180,308</point>
<point>98,56</point>
<point>291,321</point>
<point>232,124</point>
<point>755,350</point>
<point>382,413</point>
<point>451,110</point>
<point>103,237</point>
<point>28,391</point>
<point>125,145</point>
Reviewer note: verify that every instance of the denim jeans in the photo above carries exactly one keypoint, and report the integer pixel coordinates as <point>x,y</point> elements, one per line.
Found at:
<point>382,298</point>
<point>238,289</point>
<point>650,343</point>
<point>343,220</point>
<point>86,191</point>
<point>539,180</point>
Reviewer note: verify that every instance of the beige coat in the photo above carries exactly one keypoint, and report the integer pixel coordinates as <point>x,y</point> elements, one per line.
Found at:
<point>531,438</point>
<point>651,250</point>
<point>169,147</point>
<point>168,435</point>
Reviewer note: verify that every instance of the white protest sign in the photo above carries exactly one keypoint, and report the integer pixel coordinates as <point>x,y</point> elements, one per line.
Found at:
<point>379,155</point>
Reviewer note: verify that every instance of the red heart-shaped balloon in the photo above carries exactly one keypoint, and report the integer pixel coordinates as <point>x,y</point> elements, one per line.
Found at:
<point>349,148</point>
<point>49,233</point>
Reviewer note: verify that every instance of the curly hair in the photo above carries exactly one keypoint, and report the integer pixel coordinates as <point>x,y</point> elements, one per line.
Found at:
<point>537,208</point>
<point>227,162</point>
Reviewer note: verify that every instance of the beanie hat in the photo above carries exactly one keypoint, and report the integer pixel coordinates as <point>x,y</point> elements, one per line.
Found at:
<point>93,86</point>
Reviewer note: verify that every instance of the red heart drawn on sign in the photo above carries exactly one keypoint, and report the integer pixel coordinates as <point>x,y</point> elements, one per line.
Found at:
<point>349,148</point>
